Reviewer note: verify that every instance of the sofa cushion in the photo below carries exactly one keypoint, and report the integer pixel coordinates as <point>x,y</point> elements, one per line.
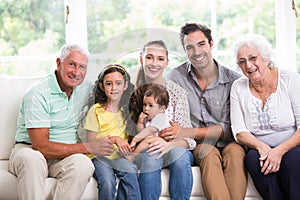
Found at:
<point>12,89</point>
<point>8,182</point>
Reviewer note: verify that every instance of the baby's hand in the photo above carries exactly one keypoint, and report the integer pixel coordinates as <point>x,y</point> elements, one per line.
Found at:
<point>142,116</point>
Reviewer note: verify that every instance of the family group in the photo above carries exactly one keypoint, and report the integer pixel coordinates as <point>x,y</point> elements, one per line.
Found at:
<point>200,113</point>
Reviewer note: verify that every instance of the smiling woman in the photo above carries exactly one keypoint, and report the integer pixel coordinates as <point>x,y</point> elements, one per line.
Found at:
<point>257,103</point>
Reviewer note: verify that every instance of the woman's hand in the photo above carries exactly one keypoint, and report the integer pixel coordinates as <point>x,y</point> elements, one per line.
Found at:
<point>158,145</point>
<point>263,150</point>
<point>170,133</point>
<point>270,162</point>
<point>270,159</point>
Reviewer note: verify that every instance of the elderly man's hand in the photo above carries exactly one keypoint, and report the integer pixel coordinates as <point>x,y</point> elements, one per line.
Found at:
<point>100,147</point>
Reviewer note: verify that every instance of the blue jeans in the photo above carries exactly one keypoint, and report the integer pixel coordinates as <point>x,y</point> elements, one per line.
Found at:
<point>126,171</point>
<point>179,160</point>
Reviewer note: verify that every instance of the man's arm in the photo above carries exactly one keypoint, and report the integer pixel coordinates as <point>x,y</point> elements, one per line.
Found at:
<point>175,131</point>
<point>213,132</point>
<point>54,150</point>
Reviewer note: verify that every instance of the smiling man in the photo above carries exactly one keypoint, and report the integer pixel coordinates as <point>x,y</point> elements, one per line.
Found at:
<point>208,86</point>
<point>46,135</point>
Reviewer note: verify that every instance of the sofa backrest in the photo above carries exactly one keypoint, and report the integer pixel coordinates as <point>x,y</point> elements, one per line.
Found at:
<point>12,90</point>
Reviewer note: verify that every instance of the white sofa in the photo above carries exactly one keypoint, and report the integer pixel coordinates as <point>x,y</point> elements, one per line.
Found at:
<point>12,90</point>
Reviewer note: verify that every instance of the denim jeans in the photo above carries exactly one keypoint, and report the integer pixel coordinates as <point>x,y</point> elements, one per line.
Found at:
<point>126,171</point>
<point>179,160</point>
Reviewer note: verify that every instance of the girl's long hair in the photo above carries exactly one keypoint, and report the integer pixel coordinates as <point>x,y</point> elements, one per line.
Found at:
<point>99,96</point>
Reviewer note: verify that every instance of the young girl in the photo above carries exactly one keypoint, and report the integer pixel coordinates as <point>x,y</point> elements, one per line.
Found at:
<point>108,118</point>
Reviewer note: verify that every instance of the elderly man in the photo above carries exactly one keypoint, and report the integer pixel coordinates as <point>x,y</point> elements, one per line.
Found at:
<point>46,138</point>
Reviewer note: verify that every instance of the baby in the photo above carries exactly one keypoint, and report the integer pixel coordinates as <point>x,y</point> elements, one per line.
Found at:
<point>153,118</point>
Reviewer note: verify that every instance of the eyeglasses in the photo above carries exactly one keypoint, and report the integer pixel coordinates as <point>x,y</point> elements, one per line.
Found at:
<point>242,62</point>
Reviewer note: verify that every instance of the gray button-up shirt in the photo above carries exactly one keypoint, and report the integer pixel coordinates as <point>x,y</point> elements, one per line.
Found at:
<point>211,106</point>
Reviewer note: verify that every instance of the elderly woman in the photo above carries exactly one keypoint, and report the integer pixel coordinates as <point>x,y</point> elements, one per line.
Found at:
<point>265,117</point>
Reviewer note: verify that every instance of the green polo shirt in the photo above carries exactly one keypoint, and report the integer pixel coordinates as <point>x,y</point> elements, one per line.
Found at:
<point>46,106</point>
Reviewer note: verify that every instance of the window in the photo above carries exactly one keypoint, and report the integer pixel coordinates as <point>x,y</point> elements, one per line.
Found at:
<point>32,31</point>
<point>162,20</point>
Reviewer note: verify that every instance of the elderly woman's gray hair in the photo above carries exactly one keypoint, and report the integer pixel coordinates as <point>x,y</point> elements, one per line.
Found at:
<point>258,42</point>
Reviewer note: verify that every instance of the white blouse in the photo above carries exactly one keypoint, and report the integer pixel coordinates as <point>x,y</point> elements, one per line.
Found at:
<point>280,117</point>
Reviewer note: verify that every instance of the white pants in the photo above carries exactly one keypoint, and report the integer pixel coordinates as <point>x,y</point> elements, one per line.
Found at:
<point>72,174</point>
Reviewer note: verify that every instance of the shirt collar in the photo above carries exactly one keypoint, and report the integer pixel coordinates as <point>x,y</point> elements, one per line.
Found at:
<point>54,86</point>
<point>222,78</point>
<point>53,83</point>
